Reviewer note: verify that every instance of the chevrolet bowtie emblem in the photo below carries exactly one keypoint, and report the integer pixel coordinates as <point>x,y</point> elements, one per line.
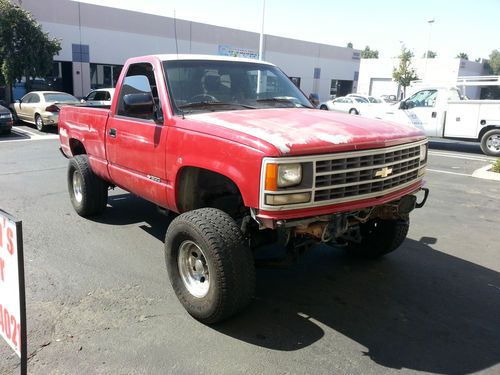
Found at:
<point>384,172</point>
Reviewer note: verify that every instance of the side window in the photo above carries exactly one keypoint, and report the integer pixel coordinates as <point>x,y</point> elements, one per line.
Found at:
<point>140,80</point>
<point>100,95</point>
<point>108,96</point>
<point>35,98</point>
<point>91,96</point>
<point>27,98</point>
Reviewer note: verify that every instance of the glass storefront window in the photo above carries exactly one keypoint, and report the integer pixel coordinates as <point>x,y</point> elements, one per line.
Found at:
<point>104,76</point>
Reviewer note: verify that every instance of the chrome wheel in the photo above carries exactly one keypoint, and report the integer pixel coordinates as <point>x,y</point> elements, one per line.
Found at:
<point>493,143</point>
<point>77,186</point>
<point>193,268</point>
<point>39,123</point>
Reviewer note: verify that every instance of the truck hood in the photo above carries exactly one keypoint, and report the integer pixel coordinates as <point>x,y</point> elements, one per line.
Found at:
<point>295,131</point>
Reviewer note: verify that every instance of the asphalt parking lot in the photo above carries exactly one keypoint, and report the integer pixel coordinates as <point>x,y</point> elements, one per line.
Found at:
<point>99,301</point>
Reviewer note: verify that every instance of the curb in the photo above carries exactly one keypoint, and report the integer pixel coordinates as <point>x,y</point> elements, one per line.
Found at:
<point>485,173</point>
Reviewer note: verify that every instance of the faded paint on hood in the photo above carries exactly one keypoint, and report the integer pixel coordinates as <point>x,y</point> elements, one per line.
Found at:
<point>302,131</point>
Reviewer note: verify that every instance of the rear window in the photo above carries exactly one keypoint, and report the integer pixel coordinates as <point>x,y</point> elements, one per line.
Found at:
<point>59,97</point>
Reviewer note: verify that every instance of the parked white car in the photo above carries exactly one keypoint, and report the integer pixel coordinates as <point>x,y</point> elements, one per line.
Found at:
<point>370,99</point>
<point>99,97</point>
<point>352,105</point>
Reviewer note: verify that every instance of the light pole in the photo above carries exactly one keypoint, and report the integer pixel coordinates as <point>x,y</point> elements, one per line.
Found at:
<point>430,21</point>
<point>261,40</point>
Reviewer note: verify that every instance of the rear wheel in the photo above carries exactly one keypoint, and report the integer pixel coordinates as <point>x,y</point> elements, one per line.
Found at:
<point>39,123</point>
<point>88,192</point>
<point>380,237</point>
<point>490,142</point>
<point>211,270</point>
<point>324,107</point>
<point>353,111</point>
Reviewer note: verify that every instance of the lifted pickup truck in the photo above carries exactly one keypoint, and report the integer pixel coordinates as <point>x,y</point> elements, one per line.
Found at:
<point>238,151</point>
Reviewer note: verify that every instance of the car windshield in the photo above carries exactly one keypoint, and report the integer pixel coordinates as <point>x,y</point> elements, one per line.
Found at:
<point>210,85</point>
<point>59,97</point>
<point>374,100</point>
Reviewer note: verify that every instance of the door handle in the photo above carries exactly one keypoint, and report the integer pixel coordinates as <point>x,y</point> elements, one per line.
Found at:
<point>434,114</point>
<point>112,133</point>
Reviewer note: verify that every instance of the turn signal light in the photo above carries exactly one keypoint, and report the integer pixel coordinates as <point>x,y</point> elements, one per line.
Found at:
<point>271,177</point>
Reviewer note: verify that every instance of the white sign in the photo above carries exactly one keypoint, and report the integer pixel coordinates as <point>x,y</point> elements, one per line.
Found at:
<point>12,303</point>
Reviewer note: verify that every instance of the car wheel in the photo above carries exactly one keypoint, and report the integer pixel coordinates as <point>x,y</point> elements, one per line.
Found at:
<point>39,123</point>
<point>88,192</point>
<point>490,142</point>
<point>380,237</point>
<point>353,111</point>
<point>209,266</point>
<point>324,107</point>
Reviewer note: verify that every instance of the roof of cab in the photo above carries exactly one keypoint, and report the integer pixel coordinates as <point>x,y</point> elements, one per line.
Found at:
<point>172,57</point>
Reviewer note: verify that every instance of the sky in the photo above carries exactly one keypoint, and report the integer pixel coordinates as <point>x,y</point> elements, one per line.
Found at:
<point>470,26</point>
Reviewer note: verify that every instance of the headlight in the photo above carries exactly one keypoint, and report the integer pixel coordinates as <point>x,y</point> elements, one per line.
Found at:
<point>282,175</point>
<point>423,152</point>
<point>289,174</point>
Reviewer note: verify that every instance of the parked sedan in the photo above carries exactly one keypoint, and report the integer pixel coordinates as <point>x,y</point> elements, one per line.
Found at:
<point>99,97</point>
<point>6,120</point>
<point>370,99</point>
<point>352,105</point>
<point>41,108</point>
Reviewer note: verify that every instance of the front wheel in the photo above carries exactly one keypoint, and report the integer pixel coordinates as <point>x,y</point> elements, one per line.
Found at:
<point>211,270</point>
<point>380,237</point>
<point>490,142</point>
<point>324,107</point>
<point>88,192</point>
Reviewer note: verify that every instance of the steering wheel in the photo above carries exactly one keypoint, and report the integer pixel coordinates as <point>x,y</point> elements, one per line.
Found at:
<point>203,98</point>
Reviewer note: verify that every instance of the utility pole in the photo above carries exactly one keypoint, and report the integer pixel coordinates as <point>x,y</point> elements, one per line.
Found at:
<point>430,21</point>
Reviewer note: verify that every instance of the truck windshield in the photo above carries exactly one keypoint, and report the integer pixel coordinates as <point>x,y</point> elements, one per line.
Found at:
<point>211,85</point>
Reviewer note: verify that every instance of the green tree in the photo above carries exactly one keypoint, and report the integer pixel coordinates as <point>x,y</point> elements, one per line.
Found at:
<point>492,66</point>
<point>349,45</point>
<point>430,55</point>
<point>25,50</point>
<point>368,53</point>
<point>404,74</point>
<point>462,55</point>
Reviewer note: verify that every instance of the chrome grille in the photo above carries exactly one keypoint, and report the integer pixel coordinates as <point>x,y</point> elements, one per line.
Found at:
<point>347,176</point>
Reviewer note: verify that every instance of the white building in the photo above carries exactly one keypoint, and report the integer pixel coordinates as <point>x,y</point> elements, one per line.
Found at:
<point>97,40</point>
<point>375,75</point>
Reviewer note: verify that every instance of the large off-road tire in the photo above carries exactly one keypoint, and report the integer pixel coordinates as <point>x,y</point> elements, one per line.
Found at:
<point>210,268</point>
<point>490,142</point>
<point>88,192</point>
<point>39,123</point>
<point>380,237</point>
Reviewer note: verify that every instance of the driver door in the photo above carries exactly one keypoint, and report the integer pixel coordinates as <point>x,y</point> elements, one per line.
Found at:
<point>421,112</point>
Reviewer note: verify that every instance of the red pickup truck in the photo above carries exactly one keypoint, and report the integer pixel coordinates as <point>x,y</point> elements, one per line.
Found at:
<point>239,152</point>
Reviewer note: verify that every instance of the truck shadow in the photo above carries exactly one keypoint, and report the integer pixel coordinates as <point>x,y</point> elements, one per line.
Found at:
<point>458,146</point>
<point>418,308</point>
<point>126,209</point>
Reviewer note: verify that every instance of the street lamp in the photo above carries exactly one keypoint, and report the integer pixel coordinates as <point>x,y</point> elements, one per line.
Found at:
<point>430,21</point>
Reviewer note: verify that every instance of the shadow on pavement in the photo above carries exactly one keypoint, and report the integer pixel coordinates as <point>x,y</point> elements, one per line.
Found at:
<point>418,308</point>
<point>126,209</point>
<point>458,146</point>
<point>13,136</point>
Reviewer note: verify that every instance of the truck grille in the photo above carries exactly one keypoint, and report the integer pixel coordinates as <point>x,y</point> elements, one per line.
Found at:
<point>348,175</point>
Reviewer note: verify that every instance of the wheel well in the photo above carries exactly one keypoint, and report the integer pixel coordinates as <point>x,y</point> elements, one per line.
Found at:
<point>487,129</point>
<point>198,187</point>
<point>76,147</point>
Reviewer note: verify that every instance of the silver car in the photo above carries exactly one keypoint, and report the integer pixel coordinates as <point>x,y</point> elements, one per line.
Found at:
<point>41,108</point>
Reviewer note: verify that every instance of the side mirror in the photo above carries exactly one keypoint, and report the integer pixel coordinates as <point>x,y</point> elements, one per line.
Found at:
<point>402,105</point>
<point>139,104</point>
<point>82,101</point>
<point>18,101</point>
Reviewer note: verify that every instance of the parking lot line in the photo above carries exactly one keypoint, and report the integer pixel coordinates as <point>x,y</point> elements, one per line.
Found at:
<point>25,132</point>
<point>461,156</point>
<point>448,172</point>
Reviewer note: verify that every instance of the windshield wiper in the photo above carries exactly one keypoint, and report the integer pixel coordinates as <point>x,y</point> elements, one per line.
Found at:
<point>280,100</point>
<point>209,104</point>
